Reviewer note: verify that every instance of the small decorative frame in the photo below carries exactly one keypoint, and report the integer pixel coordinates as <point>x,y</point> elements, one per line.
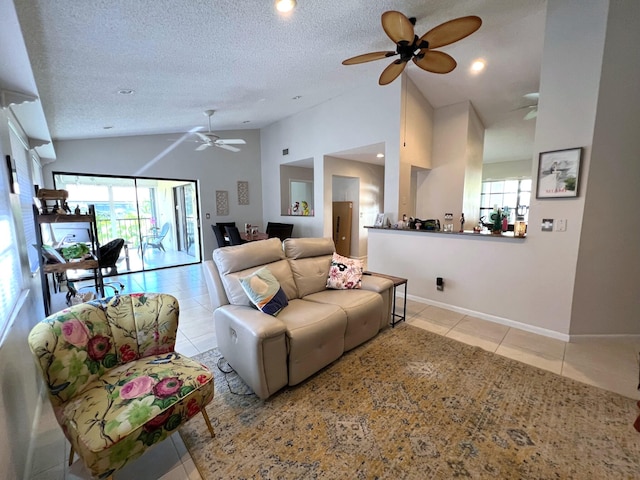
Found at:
<point>559,173</point>
<point>243,192</point>
<point>222,203</point>
<point>379,220</point>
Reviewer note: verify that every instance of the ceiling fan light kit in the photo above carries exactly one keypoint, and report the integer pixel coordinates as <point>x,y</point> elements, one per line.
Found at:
<point>399,28</point>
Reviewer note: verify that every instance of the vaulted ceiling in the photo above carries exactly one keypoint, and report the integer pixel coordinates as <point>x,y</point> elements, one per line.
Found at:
<point>255,66</point>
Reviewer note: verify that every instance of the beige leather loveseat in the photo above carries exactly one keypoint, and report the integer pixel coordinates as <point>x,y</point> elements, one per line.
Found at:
<point>316,327</point>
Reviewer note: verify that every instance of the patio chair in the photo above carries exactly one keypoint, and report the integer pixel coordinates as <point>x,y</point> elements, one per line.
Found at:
<point>155,241</point>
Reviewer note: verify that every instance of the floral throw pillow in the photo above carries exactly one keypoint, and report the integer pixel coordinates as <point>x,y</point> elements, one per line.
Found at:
<point>345,273</point>
<point>264,290</point>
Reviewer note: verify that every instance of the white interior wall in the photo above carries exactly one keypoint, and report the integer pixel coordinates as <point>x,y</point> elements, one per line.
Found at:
<point>154,156</point>
<point>473,171</point>
<point>441,189</point>
<point>529,281</point>
<point>606,296</point>
<point>20,383</point>
<point>416,143</point>
<point>502,170</point>
<point>367,115</point>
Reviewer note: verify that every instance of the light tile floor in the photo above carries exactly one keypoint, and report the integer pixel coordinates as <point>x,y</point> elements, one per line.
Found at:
<point>611,364</point>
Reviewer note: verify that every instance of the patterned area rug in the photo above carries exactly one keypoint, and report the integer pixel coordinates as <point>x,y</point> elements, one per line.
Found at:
<point>414,405</point>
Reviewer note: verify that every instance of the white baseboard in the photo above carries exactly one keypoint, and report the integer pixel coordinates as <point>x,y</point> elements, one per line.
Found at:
<point>34,433</point>
<point>579,337</point>
<point>495,319</point>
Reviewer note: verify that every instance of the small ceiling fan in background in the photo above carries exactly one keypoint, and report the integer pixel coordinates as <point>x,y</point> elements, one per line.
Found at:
<point>399,28</point>
<point>532,105</point>
<point>210,139</point>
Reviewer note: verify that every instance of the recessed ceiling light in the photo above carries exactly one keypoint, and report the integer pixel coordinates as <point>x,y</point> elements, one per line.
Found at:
<point>380,155</point>
<point>285,5</point>
<point>478,66</point>
<point>126,91</point>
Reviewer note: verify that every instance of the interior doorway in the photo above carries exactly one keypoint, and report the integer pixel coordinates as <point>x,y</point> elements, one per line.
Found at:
<point>345,214</point>
<point>342,213</point>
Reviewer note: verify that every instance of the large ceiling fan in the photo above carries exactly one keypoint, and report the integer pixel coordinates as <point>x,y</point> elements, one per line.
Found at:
<point>399,28</point>
<point>210,139</point>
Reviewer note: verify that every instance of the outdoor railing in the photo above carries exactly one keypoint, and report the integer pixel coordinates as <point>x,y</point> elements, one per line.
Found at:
<point>130,229</point>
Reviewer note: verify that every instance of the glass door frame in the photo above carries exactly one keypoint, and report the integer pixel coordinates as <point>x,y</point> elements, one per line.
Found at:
<point>140,251</point>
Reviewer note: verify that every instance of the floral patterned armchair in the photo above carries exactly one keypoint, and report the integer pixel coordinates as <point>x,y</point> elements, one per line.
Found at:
<point>115,382</point>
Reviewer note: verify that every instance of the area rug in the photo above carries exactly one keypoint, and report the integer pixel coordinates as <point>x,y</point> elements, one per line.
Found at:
<point>410,404</point>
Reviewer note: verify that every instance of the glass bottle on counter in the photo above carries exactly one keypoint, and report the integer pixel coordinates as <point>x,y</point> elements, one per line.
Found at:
<point>448,222</point>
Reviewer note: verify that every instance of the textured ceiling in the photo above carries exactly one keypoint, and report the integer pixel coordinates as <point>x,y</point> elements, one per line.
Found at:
<point>247,62</point>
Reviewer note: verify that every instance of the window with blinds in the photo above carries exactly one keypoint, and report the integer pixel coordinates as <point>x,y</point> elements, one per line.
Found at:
<point>9,256</point>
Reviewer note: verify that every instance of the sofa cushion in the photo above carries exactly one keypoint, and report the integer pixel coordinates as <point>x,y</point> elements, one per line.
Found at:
<point>147,400</point>
<point>345,273</point>
<point>310,274</point>
<point>310,259</point>
<point>264,291</point>
<point>364,310</point>
<point>247,255</point>
<point>240,261</point>
<point>315,336</point>
<point>295,248</point>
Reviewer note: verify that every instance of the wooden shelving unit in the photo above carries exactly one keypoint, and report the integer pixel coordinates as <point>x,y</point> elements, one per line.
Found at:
<point>91,264</point>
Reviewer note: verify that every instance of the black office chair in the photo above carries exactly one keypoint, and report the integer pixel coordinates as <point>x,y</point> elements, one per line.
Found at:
<point>217,231</point>
<point>279,230</point>
<point>109,255</point>
<point>234,236</point>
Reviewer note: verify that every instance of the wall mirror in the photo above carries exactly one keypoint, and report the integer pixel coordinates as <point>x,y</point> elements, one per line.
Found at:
<point>296,188</point>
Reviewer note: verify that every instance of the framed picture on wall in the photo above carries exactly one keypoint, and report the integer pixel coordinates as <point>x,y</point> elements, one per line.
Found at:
<point>559,173</point>
<point>379,220</point>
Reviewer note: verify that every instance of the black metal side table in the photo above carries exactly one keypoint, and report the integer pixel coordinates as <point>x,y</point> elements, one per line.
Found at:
<point>397,281</point>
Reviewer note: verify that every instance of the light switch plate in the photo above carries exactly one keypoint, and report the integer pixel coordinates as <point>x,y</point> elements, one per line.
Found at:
<point>561,225</point>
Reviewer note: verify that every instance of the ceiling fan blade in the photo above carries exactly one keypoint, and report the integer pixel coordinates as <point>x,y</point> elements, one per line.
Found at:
<point>397,27</point>
<point>202,136</point>
<point>435,62</point>
<point>392,72</point>
<point>231,141</point>
<point>227,147</point>
<point>367,57</point>
<point>202,147</point>
<point>452,31</point>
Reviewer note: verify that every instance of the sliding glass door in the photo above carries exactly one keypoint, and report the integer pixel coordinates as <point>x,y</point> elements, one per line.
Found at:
<point>157,218</point>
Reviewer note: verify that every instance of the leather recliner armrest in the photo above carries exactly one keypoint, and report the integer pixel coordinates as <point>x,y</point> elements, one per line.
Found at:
<point>254,344</point>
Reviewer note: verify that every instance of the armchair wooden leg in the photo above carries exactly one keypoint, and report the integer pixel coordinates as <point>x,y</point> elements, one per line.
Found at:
<point>71,456</point>
<point>208,422</point>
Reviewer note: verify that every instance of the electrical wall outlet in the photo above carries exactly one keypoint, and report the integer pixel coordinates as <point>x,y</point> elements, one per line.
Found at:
<point>561,225</point>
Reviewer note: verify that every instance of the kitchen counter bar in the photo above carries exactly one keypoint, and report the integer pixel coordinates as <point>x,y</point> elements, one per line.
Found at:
<point>466,233</point>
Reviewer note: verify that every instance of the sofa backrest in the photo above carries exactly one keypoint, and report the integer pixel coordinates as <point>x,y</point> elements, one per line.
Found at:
<point>310,260</point>
<point>79,344</point>
<point>235,262</point>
